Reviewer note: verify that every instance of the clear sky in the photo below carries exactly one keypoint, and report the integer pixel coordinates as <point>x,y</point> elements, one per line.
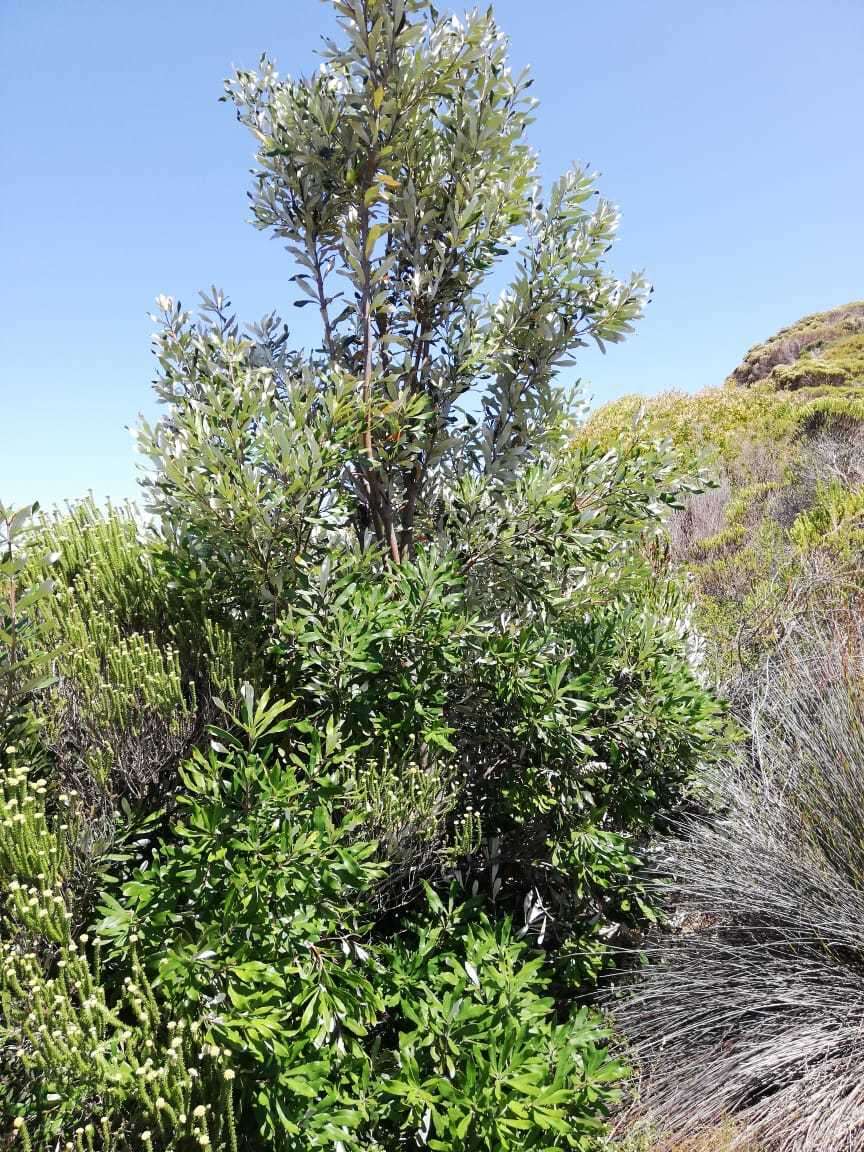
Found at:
<point>729,131</point>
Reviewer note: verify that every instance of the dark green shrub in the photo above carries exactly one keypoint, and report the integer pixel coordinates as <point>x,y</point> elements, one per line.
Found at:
<point>441,636</point>
<point>480,1063</point>
<point>257,917</point>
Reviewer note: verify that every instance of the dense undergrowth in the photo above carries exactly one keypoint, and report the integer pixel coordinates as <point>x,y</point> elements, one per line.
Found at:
<point>326,779</point>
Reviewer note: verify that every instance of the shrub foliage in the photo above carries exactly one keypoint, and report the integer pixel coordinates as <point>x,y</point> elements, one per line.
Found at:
<point>331,812</point>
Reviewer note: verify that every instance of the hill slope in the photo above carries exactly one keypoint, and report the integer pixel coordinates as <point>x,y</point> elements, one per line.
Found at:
<point>781,532</point>
<point>826,348</point>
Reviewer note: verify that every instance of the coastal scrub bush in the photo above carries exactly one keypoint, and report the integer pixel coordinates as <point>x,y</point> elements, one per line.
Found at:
<point>398,516</point>
<point>86,1061</point>
<point>296,1026</point>
<point>23,664</point>
<point>369,724</point>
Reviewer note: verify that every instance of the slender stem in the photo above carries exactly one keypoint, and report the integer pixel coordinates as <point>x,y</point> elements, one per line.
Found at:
<point>412,490</point>
<point>379,502</point>
<point>323,308</point>
<point>366,318</point>
<point>378,492</point>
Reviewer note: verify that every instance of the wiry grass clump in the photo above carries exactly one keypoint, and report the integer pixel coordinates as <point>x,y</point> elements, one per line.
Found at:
<point>754,1007</point>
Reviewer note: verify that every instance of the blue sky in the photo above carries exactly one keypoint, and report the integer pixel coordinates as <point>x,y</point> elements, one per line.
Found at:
<point>729,131</point>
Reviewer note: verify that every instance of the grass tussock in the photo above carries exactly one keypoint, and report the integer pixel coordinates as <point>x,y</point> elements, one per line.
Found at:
<point>721,1139</point>
<point>754,1007</point>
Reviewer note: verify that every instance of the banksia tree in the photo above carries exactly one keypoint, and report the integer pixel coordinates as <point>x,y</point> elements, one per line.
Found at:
<point>398,514</point>
<point>481,684</point>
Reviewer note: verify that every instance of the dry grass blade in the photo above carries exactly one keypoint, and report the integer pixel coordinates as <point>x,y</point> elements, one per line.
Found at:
<point>754,1007</point>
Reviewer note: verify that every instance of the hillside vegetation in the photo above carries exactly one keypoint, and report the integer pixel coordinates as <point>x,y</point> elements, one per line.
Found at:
<point>780,530</point>
<point>826,348</point>
<point>746,1023</point>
